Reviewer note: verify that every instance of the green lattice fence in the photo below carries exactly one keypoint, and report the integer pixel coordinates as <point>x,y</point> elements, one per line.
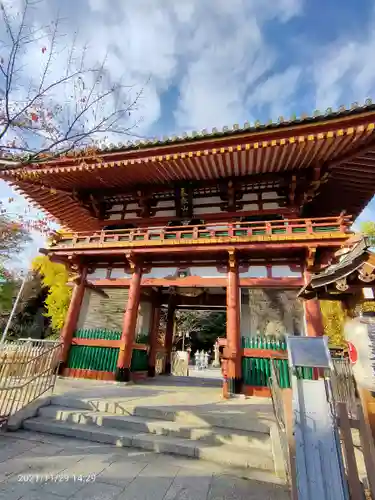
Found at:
<point>257,371</point>
<point>83,357</point>
<point>97,334</point>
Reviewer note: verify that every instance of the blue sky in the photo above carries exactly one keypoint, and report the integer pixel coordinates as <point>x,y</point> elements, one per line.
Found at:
<point>210,63</point>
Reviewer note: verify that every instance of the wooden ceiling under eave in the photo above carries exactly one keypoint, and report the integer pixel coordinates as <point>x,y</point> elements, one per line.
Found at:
<point>344,148</point>
<point>62,207</point>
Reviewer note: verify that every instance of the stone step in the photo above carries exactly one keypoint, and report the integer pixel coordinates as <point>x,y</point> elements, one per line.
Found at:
<point>209,418</point>
<point>222,454</point>
<point>203,433</point>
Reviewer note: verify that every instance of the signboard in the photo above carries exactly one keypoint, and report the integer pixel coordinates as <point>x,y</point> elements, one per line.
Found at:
<point>368,293</point>
<point>310,352</point>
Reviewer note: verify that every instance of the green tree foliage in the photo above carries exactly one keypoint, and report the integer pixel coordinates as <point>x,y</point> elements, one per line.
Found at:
<point>333,320</point>
<point>368,228</point>
<point>6,296</point>
<point>55,278</point>
<point>29,319</point>
<point>13,238</point>
<point>203,328</point>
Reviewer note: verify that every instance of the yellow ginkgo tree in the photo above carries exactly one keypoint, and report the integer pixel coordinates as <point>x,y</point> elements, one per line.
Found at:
<point>55,277</point>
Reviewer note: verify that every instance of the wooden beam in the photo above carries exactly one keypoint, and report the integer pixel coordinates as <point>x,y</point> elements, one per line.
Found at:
<point>196,281</point>
<point>106,343</point>
<point>353,154</point>
<point>325,240</point>
<point>264,353</point>
<point>95,289</point>
<point>214,217</point>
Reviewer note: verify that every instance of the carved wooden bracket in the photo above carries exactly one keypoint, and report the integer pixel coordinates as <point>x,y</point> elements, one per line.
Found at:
<point>314,187</point>
<point>232,261</point>
<point>93,204</point>
<point>133,262</point>
<point>310,259</point>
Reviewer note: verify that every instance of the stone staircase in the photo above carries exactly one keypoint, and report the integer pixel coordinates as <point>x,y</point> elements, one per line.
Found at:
<point>253,451</point>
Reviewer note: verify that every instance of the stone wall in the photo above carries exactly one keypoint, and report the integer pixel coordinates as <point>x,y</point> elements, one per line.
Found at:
<point>103,312</point>
<point>270,312</point>
<point>108,312</point>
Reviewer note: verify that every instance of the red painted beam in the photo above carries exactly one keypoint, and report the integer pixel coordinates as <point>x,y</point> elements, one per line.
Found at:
<point>208,248</point>
<point>260,392</point>
<point>191,281</point>
<point>91,374</point>
<point>105,343</point>
<point>264,353</point>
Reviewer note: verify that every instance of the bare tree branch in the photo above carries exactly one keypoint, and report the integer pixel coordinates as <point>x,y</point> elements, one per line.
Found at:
<point>35,119</point>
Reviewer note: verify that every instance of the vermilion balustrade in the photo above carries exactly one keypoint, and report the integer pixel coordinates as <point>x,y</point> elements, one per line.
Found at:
<point>291,227</point>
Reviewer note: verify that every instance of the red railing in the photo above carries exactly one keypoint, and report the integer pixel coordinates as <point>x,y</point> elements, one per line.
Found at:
<point>227,230</point>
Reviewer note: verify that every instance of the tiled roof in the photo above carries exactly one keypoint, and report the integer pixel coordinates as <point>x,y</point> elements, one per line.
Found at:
<point>236,129</point>
<point>231,131</point>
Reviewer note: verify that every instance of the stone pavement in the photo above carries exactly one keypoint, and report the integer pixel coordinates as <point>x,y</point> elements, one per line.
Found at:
<point>196,395</point>
<point>35,466</point>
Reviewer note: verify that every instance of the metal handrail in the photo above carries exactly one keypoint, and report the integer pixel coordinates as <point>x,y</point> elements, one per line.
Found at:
<point>28,369</point>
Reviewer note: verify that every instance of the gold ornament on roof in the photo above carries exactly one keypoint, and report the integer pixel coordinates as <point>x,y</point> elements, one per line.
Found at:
<point>342,285</point>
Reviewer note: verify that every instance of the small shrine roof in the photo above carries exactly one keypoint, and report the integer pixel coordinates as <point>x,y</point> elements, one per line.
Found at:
<point>353,264</point>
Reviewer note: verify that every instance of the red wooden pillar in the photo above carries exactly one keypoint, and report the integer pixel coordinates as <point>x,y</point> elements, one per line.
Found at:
<point>233,326</point>
<point>72,316</point>
<point>153,339</point>
<point>169,337</point>
<point>313,315</point>
<point>128,327</point>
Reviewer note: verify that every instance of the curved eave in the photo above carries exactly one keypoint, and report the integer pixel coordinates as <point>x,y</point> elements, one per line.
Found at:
<point>62,207</point>
<point>347,153</point>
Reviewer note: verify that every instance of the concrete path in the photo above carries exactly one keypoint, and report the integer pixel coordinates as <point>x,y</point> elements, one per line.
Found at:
<point>35,466</point>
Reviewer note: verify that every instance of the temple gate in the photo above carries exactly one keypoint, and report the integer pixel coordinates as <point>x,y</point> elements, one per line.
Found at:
<point>262,208</point>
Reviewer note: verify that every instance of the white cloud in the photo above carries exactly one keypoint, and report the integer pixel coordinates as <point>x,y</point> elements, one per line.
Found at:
<point>228,56</point>
<point>278,92</point>
<point>220,56</point>
<point>214,52</point>
<point>343,71</point>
